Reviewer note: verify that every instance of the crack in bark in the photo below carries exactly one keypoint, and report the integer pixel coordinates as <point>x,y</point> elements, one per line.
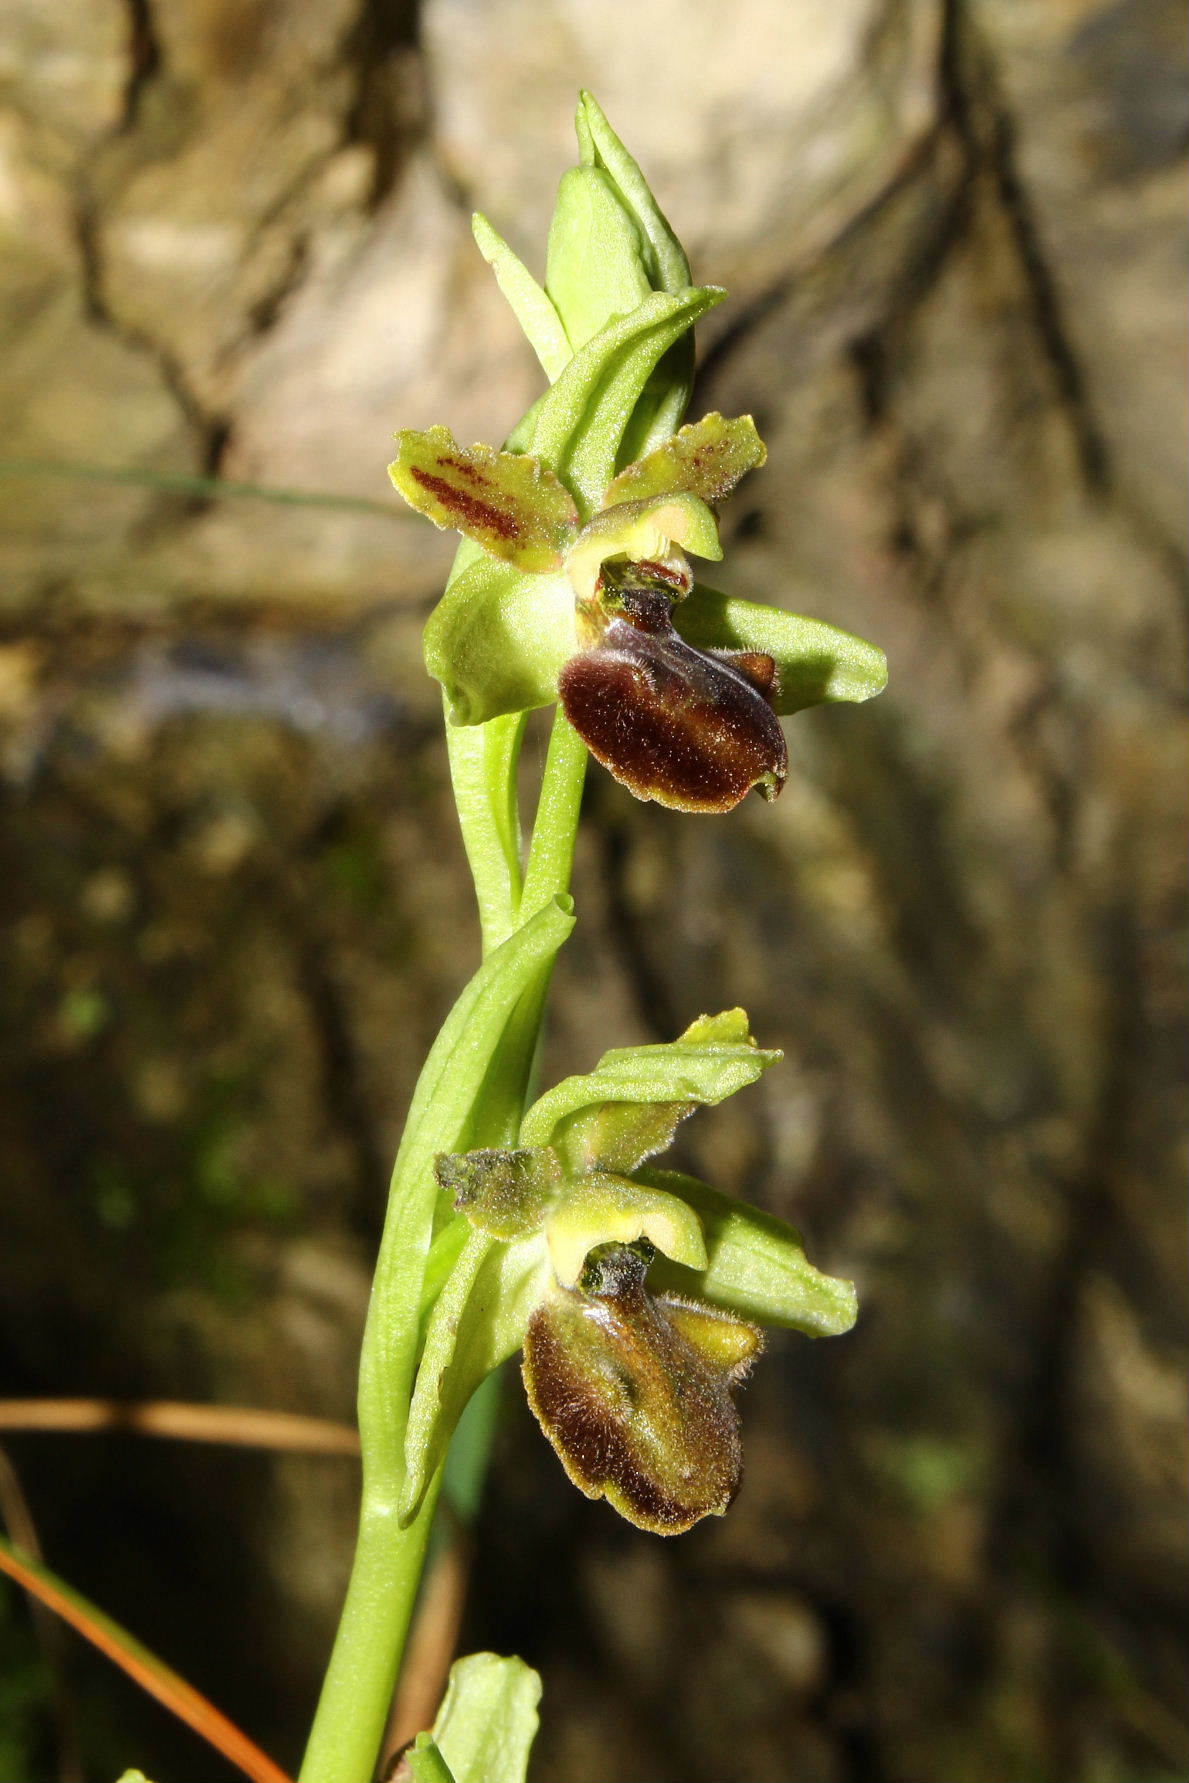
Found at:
<point>971,83</point>
<point>211,431</point>
<point>144,60</point>
<point>383,32</point>
<point>973,117</point>
<point>380,49</point>
<point>266,312</point>
<point>751,314</point>
<point>1058,791</point>
<point>1036,1513</point>
<point>647,984</point>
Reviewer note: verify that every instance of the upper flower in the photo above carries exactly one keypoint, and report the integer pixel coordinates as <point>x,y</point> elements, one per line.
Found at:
<point>572,581</point>
<point>687,727</point>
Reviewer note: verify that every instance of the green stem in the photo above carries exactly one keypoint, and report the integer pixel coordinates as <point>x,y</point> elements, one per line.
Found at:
<point>555,830</point>
<point>353,1712</point>
<point>472,1090</point>
<point>547,876</point>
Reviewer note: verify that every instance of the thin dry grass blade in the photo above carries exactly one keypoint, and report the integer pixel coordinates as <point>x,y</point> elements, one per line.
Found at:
<point>151,1673</point>
<point>240,1425</point>
<point>18,1521</point>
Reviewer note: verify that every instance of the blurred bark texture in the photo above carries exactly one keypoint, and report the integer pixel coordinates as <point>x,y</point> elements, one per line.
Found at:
<point>234,240</point>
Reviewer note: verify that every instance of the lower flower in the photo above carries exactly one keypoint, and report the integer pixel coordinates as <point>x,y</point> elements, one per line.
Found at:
<point>636,1293</point>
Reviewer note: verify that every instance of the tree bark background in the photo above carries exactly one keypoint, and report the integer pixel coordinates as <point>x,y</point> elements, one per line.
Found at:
<point>234,240</point>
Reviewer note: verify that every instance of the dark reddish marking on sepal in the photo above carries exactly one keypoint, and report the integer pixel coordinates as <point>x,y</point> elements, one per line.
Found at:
<point>689,728</point>
<point>471,510</point>
<point>466,469</point>
<point>637,1413</point>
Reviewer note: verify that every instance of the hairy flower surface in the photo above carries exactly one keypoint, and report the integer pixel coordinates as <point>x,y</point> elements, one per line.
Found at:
<point>634,1392</point>
<point>692,729</point>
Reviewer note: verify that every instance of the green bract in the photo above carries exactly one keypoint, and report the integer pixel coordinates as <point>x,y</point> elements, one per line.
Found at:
<point>578,1183</point>
<point>484,1729</point>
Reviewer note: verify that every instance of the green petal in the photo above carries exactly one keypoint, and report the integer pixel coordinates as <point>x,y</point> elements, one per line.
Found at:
<point>529,304</point>
<point>595,271</point>
<point>601,1208</point>
<point>620,1135</point>
<point>497,640</point>
<point>488,1719</point>
<point>511,504</point>
<point>641,531</point>
<point>512,1194</point>
<point>705,459</point>
<point>478,1321</point>
<point>757,1268</point>
<point>598,1120</point>
<point>816,662</point>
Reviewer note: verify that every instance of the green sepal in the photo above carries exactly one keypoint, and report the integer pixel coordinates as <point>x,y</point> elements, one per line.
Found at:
<point>594,270</point>
<point>757,1265</point>
<point>477,1321</point>
<point>602,1208</point>
<point>707,459</point>
<point>508,502</point>
<point>578,424</point>
<point>488,1719</point>
<point>539,320</point>
<point>817,663</point>
<point>497,640</point>
<point>597,1120</point>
